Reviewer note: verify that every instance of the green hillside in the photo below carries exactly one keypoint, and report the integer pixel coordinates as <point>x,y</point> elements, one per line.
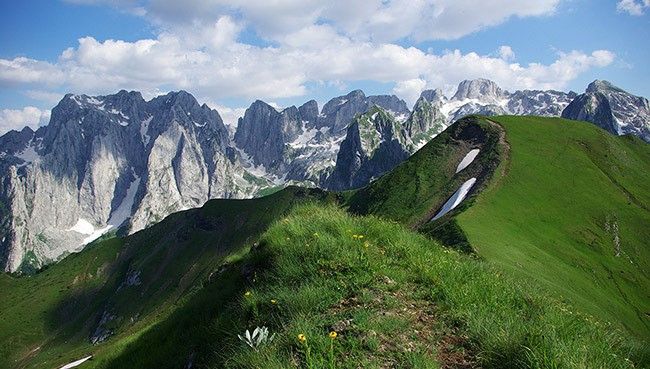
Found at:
<point>524,273</point>
<point>48,318</point>
<point>555,190</point>
<point>394,298</point>
<point>554,212</point>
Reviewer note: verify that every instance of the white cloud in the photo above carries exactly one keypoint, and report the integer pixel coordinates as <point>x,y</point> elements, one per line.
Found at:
<point>314,43</point>
<point>214,64</point>
<point>50,98</point>
<point>506,53</point>
<point>23,70</point>
<point>410,90</point>
<point>377,20</point>
<point>17,119</point>
<point>633,7</point>
<point>229,115</point>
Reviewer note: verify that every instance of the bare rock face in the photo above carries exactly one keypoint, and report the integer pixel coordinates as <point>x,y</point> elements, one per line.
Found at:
<point>481,89</point>
<point>612,109</point>
<point>263,132</point>
<point>548,103</point>
<point>106,163</point>
<point>300,145</point>
<point>373,145</point>
<point>425,122</point>
<point>376,142</point>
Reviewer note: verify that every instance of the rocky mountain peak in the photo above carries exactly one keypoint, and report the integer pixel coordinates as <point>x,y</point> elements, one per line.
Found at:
<point>602,86</point>
<point>433,96</point>
<point>478,89</point>
<point>263,131</point>
<point>393,104</point>
<point>356,94</point>
<point>613,109</point>
<point>309,111</point>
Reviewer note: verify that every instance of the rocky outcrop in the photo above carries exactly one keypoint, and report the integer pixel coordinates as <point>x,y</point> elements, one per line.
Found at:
<point>548,103</point>
<point>373,145</point>
<point>612,109</point>
<point>425,122</point>
<point>479,89</point>
<point>302,148</point>
<point>263,132</point>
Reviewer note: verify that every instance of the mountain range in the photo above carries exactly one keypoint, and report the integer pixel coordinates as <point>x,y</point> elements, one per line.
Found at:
<point>504,242</point>
<point>118,164</point>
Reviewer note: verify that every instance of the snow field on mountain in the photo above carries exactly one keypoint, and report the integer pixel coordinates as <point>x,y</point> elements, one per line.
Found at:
<point>456,198</point>
<point>467,160</point>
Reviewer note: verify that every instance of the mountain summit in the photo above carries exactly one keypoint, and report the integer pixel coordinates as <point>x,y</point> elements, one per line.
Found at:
<point>612,109</point>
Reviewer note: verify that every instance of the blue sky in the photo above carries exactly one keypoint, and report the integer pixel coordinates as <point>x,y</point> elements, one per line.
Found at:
<point>228,53</point>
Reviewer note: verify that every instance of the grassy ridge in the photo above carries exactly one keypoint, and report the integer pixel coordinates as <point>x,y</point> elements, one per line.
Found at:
<point>552,216</point>
<point>547,214</point>
<point>48,318</point>
<point>412,192</point>
<point>395,299</point>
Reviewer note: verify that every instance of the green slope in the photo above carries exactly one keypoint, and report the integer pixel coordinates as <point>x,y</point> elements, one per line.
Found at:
<point>549,214</point>
<point>47,318</point>
<point>543,214</point>
<point>395,299</point>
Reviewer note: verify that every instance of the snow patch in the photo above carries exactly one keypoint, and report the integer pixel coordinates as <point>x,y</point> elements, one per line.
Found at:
<point>75,98</point>
<point>83,226</point>
<point>28,155</point>
<point>123,212</point>
<point>456,198</point>
<point>304,138</point>
<point>257,170</point>
<point>95,235</point>
<point>144,126</point>
<point>76,363</point>
<point>467,160</point>
<point>94,101</point>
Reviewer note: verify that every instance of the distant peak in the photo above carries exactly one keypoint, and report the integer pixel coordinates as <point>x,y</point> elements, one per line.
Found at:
<point>182,98</point>
<point>477,88</point>
<point>433,95</point>
<point>602,85</point>
<point>356,93</point>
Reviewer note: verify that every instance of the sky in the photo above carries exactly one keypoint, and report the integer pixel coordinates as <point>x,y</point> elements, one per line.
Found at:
<point>228,53</point>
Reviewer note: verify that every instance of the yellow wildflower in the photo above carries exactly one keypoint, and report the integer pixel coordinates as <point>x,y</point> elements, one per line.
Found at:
<point>273,301</point>
<point>333,335</point>
<point>302,338</point>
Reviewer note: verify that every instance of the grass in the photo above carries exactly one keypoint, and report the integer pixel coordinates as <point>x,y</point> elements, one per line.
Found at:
<point>47,318</point>
<point>549,211</point>
<point>416,188</point>
<point>551,191</point>
<point>395,299</point>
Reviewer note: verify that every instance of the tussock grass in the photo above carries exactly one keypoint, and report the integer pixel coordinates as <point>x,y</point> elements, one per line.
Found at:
<point>398,299</point>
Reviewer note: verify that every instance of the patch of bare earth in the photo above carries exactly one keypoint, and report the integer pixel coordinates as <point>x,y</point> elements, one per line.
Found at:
<point>423,331</point>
